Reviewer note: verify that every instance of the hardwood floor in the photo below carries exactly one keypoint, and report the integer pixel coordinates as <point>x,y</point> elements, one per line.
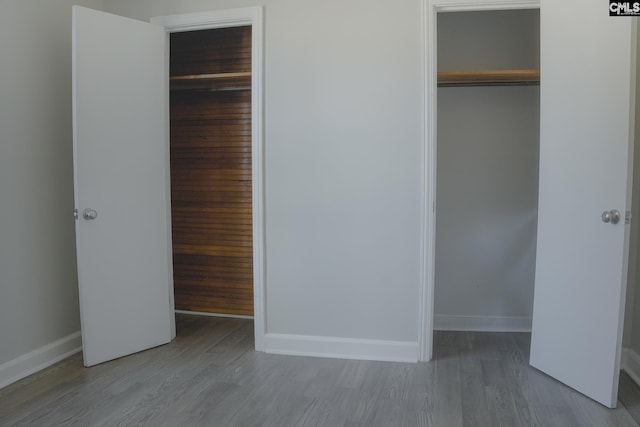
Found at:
<point>211,376</point>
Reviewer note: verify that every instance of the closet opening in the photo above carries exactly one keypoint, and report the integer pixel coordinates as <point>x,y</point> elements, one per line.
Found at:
<point>488,126</point>
<point>211,173</point>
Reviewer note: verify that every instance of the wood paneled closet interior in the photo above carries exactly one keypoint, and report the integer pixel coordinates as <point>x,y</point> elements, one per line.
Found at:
<point>211,185</point>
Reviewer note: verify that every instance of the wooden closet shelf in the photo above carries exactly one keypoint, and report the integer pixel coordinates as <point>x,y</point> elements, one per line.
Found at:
<point>488,78</point>
<point>221,81</point>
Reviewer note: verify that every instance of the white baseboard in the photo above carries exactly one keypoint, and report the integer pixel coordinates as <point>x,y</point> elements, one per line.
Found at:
<point>38,359</point>
<point>482,323</point>
<point>201,313</point>
<point>631,364</point>
<point>341,348</point>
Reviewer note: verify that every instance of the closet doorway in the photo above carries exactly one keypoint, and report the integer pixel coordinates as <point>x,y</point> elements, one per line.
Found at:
<point>215,105</point>
<point>211,176</point>
<point>121,156</point>
<point>487,169</point>
<point>584,189</point>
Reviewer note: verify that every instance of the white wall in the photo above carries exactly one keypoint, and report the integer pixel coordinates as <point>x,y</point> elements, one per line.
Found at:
<point>38,288</point>
<point>487,183</point>
<point>343,170</point>
<point>508,39</point>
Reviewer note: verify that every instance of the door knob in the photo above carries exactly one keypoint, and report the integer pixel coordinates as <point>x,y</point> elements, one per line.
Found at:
<point>89,214</point>
<point>612,216</point>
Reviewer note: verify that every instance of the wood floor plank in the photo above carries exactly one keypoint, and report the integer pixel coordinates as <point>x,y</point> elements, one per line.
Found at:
<point>475,408</point>
<point>448,403</point>
<point>210,375</point>
<point>321,412</point>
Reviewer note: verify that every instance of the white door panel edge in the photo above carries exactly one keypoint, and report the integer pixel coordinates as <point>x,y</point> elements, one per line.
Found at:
<point>119,116</point>
<point>225,18</point>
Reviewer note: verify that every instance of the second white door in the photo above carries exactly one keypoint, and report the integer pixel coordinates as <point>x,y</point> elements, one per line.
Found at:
<point>586,134</point>
<point>121,185</point>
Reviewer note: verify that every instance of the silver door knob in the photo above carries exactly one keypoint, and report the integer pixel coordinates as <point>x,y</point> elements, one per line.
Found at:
<point>89,214</point>
<point>612,216</point>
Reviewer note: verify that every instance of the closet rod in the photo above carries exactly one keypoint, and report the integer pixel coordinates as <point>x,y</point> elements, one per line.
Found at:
<point>205,88</point>
<point>488,78</point>
<point>215,76</point>
<point>214,82</point>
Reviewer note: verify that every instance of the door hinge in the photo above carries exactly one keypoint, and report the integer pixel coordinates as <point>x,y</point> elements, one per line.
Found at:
<point>627,217</point>
<point>75,214</point>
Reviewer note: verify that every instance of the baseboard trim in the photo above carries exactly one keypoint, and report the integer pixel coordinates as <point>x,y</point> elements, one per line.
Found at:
<point>40,358</point>
<point>482,323</point>
<point>202,313</point>
<point>631,364</point>
<point>341,348</point>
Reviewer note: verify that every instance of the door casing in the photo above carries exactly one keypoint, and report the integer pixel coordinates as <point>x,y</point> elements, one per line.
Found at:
<point>431,8</point>
<point>252,16</point>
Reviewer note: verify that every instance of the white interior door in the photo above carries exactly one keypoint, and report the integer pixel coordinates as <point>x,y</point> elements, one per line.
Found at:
<point>587,93</point>
<point>124,267</point>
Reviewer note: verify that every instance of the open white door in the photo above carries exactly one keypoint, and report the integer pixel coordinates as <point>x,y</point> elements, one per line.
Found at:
<point>587,93</point>
<point>124,268</point>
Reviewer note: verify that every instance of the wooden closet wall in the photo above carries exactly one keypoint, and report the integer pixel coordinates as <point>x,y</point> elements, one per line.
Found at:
<point>211,170</point>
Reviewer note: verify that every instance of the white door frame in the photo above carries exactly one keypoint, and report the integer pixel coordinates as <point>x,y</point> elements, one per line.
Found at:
<point>223,19</point>
<point>429,162</point>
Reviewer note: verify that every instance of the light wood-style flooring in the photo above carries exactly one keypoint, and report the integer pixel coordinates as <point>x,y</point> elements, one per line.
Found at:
<point>210,376</point>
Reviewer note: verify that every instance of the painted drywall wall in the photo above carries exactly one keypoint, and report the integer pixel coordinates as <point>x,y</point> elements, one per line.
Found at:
<point>487,181</point>
<point>489,40</point>
<point>38,285</point>
<point>343,120</point>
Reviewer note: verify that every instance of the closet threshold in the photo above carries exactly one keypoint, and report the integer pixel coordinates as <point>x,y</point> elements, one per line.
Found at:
<point>213,82</point>
<point>489,78</point>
